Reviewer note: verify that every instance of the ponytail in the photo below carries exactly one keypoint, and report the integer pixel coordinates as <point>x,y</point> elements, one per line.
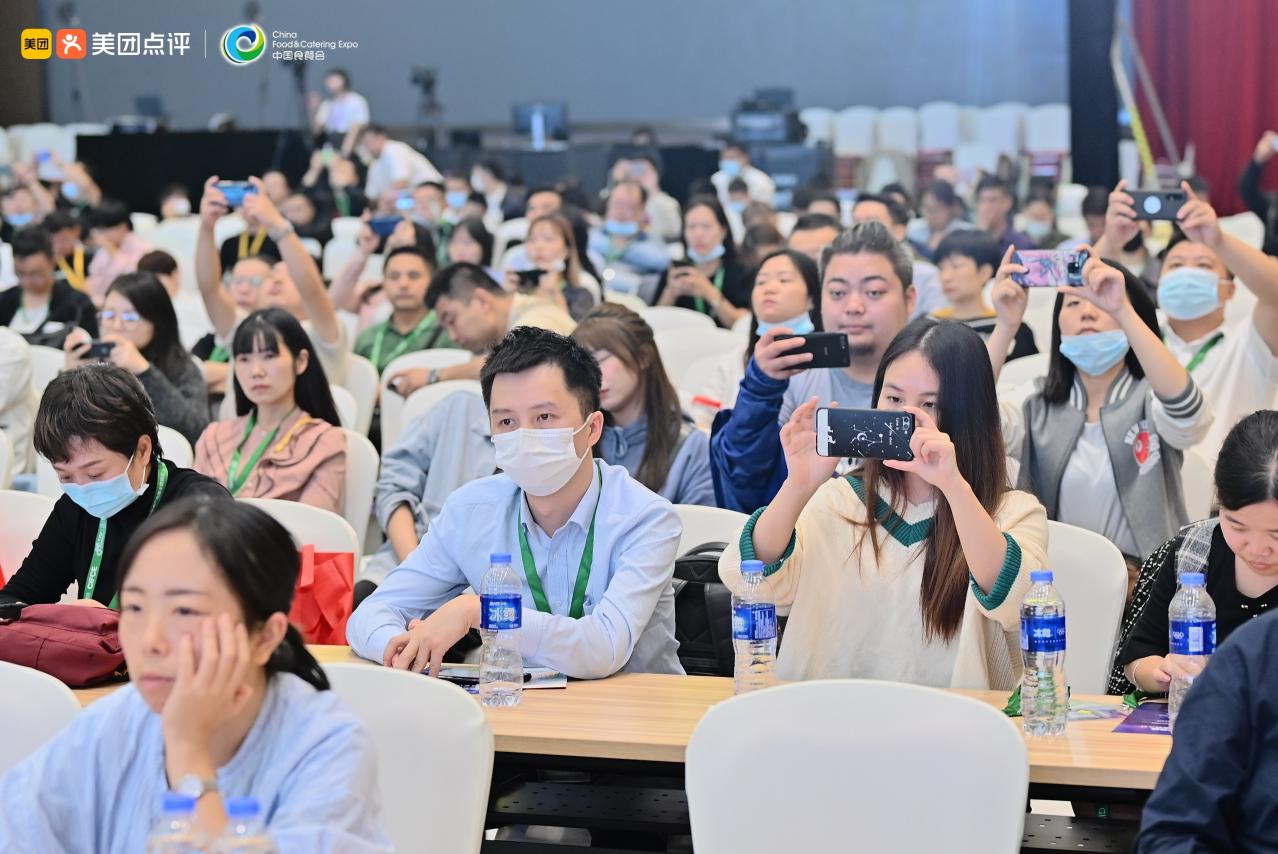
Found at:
<point>292,656</point>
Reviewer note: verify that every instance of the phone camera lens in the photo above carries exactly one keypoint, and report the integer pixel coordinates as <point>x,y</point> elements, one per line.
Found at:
<point>1153,204</point>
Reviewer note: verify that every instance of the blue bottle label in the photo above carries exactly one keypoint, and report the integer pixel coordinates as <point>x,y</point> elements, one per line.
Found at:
<point>754,622</point>
<point>1043,634</point>
<point>1192,637</point>
<point>501,611</point>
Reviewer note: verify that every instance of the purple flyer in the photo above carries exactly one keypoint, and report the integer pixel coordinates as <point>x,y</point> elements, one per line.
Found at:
<point>1148,718</point>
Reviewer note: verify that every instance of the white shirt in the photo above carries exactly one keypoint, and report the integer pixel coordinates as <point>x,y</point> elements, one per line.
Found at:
<point>398,162</point>
<point>760,187</point>
<point>336,115</point>
<point>28,320</point>
<point>17,399</point>
<point>1237,376</point>
<point>1089,495</point>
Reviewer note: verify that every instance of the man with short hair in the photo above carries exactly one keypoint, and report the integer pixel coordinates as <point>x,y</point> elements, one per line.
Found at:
<point>395,166</point>
<point>411,326</point>
<point>118,248</point>
<point>633,258</point>
<point>927,283</point>
<point>42,309</point>
<point>340,117</point>
<point>812,232</point>
<point>995,204</point>
<point>734,162</point>
<point>665,217</point>
<point>69,252</point>
<point>299,209</point>
<point>595,549</point>
<point>867,294</point>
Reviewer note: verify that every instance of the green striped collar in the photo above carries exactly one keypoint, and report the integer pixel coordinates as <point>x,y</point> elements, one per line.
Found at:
<point>905,533</point>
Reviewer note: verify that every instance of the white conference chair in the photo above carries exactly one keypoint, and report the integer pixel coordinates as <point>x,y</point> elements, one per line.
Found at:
<point>361,382</point>
<point>178,238</point>
<point>423,400</point>
<point>1047,129</point>
<point>22,516</point>
<point>143,223</point>
<point>336,253</point>
<point>679,349</point>
<point>1069,201</point>
<point>346,227</point>
<point>362,465</point>
<point>694,378</point>
<point>314,247</point>
<point>6,461</point>
<point>347,408</point>
<point>838,757</point>
<point>46,479</point>
<point>630,301</point>
<point>898,130</point>
<point>939,126</point>
<point>311,526</point>
<point>1091,576</point>
<point>1002,128</point>
<point>665,318</point>
<point>973,157</point>
<point>231,225</point>
<point>419,723</point>
<point>392,404</point>
<point>1199,485</point>
<point>703,525</point>
<point>818,124</point>
<point>46,363</point>
<point>854,132</point>
<point>177,449</point>
<point>510,231</point>
<point>1023,371</point>
<point>34,707</point>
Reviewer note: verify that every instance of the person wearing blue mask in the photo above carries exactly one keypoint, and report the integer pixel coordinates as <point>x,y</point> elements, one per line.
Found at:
<point>1234,362</point>
<point>633,258</point>
<point>19,209</point>
<point>594,547</point>
<point>1101,440</point>
<point>710,279</point>
<point>734,163</point>
<point>97,427</point>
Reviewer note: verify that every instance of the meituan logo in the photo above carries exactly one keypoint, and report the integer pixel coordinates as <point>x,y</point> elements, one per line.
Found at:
<point>243,44</point>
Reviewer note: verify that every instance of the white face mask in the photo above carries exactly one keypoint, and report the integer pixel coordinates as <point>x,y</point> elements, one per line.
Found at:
<point>540,462</point>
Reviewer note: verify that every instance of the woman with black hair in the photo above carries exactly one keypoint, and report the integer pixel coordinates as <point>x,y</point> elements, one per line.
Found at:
<point>710,280</point>
<point>137,318</point>
<point>1237,551</point>
<point>472,242</point>
<point>286,442</point>
<point>225,702</point>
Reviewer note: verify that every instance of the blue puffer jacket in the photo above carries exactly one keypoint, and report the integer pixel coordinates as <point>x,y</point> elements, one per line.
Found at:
<point>746,460</point>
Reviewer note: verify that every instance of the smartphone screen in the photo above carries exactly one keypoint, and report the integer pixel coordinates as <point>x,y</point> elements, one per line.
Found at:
<point>1049,268</point>
<point>872,434</point>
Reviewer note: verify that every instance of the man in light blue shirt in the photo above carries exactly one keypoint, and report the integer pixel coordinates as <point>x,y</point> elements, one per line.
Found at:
<point>542,393</point>
<point>633,259</point>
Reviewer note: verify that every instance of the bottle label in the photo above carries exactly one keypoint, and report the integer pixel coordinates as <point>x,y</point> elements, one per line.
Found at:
<point>754,622</point>
<point>1043,634</point>
<point>1192,637</point>
<point>501,611</point>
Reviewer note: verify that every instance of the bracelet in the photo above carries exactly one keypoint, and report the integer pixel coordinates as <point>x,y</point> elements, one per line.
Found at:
<point>278,234</point>
<point>1135,674</point>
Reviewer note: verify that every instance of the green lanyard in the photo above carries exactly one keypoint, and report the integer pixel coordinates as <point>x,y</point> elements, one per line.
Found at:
<point>219,354</point>
<point>1203,351</point>
<point>577,609</point>
<point>235,477</point>
<point>343,203</point>
<point>422,326</point>
<point>95,564</point>
<point>613,255</point>
<point>718,286</point>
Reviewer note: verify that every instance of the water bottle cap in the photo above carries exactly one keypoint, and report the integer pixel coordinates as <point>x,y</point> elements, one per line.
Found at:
<point>1041,576</point>
<point>176,803</point>
<point>243,808</point>
<point>1192,579</point>
<point>751,566</point>
<point>499,557</point>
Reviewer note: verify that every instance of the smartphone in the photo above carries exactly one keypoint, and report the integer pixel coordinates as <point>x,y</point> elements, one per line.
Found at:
<point>868,434</point>
<point>43,156</point>
<point>681,262</point>
<point>828,349</point>
<point>382,226</point>
<point>1048,268</point>
<point>1158,204</point>
<point>529,278</point>
<point>235,191</point>
<point>99,349</point>
<point>11,609</point>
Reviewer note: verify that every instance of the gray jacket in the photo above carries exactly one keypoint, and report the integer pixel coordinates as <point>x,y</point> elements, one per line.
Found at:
<point>688,481</point>
<point>1145,434</point>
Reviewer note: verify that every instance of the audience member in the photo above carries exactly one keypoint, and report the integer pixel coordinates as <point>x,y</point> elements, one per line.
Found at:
<point>1263,205</point>
<point>17,401</point>
<point>333,184</point>
<point>503,201</point>
<point>117,248</point>
<point>542,394</point>
<point>941,211</point>
<point>863,602</point>
<point>734,162</point>
<point>927,285</point>
<point>300,210</point>
<point>710,280</point>
<point>813,232</point>
<point>286,441</point>
<point>633,259</point>
<point>551,252</point>
<point>995,204</point>
<point>97,427</point>
<point>1040,221</point>
<point>411,326</point>
<point>164,267</point>
<point>339,118</point>
<point>175,202</point>
<point>21,210</point>
<point>40,308</point>
<point>967,260</point>
<point>897,192</point>
<point>760,240</point>
<point>69,253</point>
<point>1095,207</point>
<point>395,165</point>
<point>470,242</point>
<point>665,218</point>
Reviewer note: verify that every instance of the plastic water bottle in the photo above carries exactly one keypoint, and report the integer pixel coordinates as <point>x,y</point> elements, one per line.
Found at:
<point>501,665</point>
<point>173,833</point>
<point>245,833</point>
<point>1191,636</point>
<point>1044,701</point>
<point>754,630</point>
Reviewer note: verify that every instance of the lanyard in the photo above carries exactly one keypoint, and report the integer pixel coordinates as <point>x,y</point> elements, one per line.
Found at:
<point>247,251</point>
<point>95,564</point>
<point>343,203</point>
<point>75,277</point>
<point>219,354</point>
<point>235,476</point>
<point>422,325</point>
<point>718,286</point>
<point>577,608</point>
<point>613,255</point>
<point>1203,351</point>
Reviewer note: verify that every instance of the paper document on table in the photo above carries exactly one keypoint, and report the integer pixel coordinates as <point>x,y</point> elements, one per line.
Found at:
<point>1149,717</point>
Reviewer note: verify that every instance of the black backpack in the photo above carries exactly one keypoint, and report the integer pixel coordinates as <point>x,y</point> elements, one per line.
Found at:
<point>703,613</point>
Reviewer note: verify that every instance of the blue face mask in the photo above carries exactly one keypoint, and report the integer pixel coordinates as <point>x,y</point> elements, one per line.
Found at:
<point>731,168</point>
<point>1096,353</point>
<point>617,228</point>
<point>713,255</point>
<point>800,325</point>
<point>21,220</point>
<point>1189,293</point>
<point>737,208</point>
<point>103,499</point>
<point>456,199</point>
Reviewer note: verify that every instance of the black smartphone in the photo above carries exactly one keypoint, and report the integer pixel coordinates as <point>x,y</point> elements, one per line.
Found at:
<point>1158,204</point>
<point>11,609</point>
<point>681,262</point>
<point>99,349</point>
<point>828,349</point>
<point>1047,268</point>
<point>529,278</point>
<point>869,434</point>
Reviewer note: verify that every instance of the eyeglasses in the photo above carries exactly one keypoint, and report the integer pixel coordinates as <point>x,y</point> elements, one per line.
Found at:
<point>128,318</point>
<point>252,281</point>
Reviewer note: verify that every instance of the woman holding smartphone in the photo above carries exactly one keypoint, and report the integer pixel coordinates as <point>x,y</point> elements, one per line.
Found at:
<point>907,571</point>
<point>711,280</point>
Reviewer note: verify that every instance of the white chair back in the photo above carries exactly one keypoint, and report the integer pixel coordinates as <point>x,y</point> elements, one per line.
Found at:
<point>347,409</point>
<point>311,526</point>
<point>1091,576</point>
<point>939,126</point>
<point>707,525</point>
<point>971,157</point>
<point>1021,373</point>
<point>22,516</point>
<point>1199,484</point>
<point>34,707</point>
<point>1002,127</point>
<point>510,231</point>
<point>694,378</point>
<point>177,449</point>
<point>46,363</point>
<point>898,130</point>
<point>362,466</point>
<point>665,318</point>
<point>421,723</point>
<point>630,301</point>
<point>314,247</point>
<point>346,227</point>
<point>361,382</point>
<point>392,404</point>
<point>1047,129</point>
<point>336,254</point>
<point>178,238</point>
<point>837,757</point>
<point>6,461</point>
<point>818,122</point>
<point>679,350</point>
<point>421,401</point>
<point>854,131</point>
<point>143,223</point>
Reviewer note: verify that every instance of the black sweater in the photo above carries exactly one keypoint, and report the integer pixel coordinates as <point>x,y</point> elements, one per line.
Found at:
<point>66,305</point>
<point>62,552</point>
<point>1261,204</point>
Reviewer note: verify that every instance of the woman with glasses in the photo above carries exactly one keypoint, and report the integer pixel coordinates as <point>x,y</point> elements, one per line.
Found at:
<point>140,334</point>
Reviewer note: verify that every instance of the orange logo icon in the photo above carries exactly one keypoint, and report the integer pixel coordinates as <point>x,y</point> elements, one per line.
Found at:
<point>71,44</point>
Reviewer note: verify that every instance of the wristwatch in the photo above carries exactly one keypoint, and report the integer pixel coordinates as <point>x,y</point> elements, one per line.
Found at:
<point>280,232</point>
<point>195,786</point>
<point>433,376</point>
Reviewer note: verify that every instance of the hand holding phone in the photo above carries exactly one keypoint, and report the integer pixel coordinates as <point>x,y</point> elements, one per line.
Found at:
<point>1050,268</point>
<point>235,191</point>
<point>529,279</point>
<point>1158,204</point>
<point>828,349</point>
<point>776,354</point>
<point>99,350</point>
<point>870,434</point>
